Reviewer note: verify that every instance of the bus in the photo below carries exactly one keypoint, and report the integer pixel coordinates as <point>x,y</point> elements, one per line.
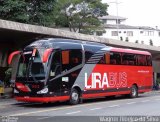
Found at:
<point>55,69</point>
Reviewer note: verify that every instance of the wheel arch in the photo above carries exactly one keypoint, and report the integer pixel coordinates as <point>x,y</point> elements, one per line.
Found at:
<point>78,89</point>
<point>135,84</point>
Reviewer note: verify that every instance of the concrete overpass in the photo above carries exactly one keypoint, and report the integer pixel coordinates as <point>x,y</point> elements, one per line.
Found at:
<point>14,35</point>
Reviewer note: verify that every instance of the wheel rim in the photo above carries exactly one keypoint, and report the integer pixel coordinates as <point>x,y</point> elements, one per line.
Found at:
<point>134,92</point>
<point>75,96</point>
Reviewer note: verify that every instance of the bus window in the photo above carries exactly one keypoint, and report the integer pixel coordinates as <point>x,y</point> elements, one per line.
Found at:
<point>115,58</point>
<point>71,58</point>
<point>65,57</point>
<point>102,60</point>
<point>75,57</point>
<point>141,60</point>
<point>128,59</point>
<point>56,64</point>
<point>107,58</point>
<point>149,60</point>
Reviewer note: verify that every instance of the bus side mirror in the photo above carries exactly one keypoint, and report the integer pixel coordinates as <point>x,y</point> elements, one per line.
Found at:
<point>12,55</point>
<point>46,54</point>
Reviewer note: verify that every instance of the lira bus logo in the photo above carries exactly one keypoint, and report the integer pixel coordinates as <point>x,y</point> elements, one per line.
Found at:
<point>106,80</point>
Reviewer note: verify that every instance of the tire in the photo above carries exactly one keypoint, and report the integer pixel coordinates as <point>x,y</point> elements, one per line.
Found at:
<point>134,92</point>
<point>74,97</point>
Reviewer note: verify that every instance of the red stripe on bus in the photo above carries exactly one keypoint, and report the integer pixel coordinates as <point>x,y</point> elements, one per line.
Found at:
<point>85,96</point>
<point>42,99</point>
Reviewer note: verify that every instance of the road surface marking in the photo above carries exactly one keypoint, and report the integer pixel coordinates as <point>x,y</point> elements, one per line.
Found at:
<point>157,99</point>
<point>74,112</point>
<point>114,106</point>
<point>6,104</point>
<point>2,107</point>
<point>67,107</point>
<point>95,109</point>
<point>131,103</point>
<point>145,101</point>
<point>45,117</point>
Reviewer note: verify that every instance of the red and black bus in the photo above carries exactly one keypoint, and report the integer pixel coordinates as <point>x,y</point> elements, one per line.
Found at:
<point>56,69</point>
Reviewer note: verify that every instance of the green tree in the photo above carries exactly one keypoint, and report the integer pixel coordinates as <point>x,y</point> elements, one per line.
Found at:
<point>80,15</point>
<point>13,10</point>
<point>28,11</point>
<point>41,12</point>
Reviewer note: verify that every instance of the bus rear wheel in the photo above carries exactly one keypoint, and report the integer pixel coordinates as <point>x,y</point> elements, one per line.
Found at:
<point>74,97</point>
<point>134,92</point>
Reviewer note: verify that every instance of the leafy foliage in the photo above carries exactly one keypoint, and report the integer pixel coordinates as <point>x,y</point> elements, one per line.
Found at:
<point>77,15</point>
<point>28,11</point>
<point>13,10</point>
<point>80,15</point>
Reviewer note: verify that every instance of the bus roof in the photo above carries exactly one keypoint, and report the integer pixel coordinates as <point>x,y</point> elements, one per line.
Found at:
<point>130,51</point>
<point>49,41</point>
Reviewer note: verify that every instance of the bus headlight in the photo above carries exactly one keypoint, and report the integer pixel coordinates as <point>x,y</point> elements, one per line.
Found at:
<point>43,91</point>
<point>15,91</point>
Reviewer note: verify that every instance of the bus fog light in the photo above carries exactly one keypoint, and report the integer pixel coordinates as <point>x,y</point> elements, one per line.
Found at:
<point>43,91</point>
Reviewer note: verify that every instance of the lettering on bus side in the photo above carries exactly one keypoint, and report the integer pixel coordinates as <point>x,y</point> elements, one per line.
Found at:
<point>106,80</point>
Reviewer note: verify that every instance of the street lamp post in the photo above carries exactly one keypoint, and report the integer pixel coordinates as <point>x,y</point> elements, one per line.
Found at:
<point>117,22</point>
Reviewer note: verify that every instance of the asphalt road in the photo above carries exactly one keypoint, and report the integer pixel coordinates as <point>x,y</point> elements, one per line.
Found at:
<point>147,105</point>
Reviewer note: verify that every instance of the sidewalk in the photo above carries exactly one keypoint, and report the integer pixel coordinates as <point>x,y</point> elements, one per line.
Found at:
<point>7,93</point>
<point>153,92</point>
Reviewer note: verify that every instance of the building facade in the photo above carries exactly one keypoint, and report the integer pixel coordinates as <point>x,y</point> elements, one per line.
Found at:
<point>116,29</point>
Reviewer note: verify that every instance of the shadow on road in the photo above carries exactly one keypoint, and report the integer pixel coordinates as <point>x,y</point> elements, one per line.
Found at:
<point>62,104</point>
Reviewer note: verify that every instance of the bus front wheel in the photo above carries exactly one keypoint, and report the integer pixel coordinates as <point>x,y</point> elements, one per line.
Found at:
<point>134,92</point>
<point>74,97</point>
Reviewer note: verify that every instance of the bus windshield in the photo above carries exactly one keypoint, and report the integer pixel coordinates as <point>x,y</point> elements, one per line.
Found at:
<point>31,66</point>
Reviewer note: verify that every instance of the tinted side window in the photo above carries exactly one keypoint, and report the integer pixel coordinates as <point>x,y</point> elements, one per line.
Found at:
<point>75,57</point>
<point>102,60</point>
<point>141,60</point>
<point>71,58</point>
<point>128,59</point>
<point>149,60</point>
<point>55,64</point>
<point>115,58</point>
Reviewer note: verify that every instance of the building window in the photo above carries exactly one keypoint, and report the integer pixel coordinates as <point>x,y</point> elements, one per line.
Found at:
<point>99,33</point>
<point>141,32</point>
<point>104,21</point>
<point>129,33</point>
<point>149,33</point>
<point>114,33</point>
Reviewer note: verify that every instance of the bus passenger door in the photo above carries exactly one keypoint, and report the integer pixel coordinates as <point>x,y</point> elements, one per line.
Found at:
<point>55,73</point>
<point>71,66</point>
